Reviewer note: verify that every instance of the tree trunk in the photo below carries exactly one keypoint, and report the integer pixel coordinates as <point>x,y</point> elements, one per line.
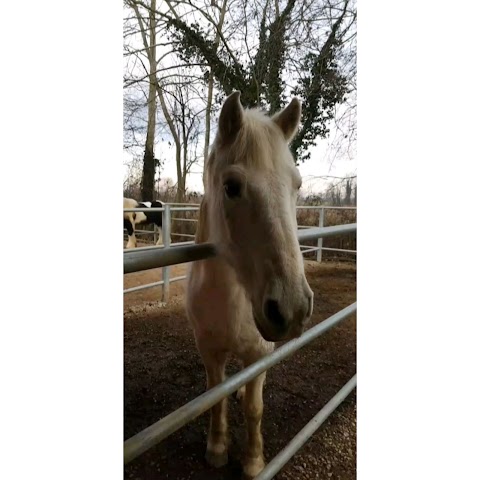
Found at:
<point>183,186</point>
<point>148,174</point>
<point>180,195</point>
<point>210,85</point>
<point>176,138</point>
<point>348,192</point>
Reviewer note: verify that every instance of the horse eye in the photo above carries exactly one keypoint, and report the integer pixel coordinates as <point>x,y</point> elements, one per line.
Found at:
<point>233,188</point>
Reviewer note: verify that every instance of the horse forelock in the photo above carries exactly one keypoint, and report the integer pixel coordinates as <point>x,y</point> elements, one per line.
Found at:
<point>256,145</point>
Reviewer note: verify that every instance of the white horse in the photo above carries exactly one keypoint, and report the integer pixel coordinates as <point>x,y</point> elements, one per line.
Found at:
<point>255,292</point>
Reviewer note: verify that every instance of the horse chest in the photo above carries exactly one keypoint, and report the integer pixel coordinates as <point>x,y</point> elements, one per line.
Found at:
<point>220,312</point>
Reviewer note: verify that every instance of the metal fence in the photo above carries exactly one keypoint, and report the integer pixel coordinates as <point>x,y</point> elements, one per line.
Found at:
<point>135,261</point>
<point>167,221</point>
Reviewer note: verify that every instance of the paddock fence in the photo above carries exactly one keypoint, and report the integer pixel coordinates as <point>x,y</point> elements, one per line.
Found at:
<point>136,260</point>
<point>168,219</point>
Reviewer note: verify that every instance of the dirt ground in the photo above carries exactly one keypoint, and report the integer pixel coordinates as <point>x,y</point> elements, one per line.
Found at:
<point>163,371</point>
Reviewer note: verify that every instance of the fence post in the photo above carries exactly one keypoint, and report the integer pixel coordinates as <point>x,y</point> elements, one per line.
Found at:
<point>321,223</point>
<point>166,228</point>
<point>155,234</point>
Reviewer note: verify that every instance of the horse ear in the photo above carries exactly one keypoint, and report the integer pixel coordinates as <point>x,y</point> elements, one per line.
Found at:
<point>289,118</point>
<point>231,118</point>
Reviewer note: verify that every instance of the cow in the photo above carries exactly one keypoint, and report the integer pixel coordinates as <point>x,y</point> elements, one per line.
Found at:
<point>131,219</point>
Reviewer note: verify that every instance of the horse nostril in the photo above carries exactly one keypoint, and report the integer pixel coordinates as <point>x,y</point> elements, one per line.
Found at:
<point>272,312</point>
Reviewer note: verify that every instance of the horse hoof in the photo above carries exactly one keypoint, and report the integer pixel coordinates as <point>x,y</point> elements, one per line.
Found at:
<point>216,460</point>
<point>253,467</point>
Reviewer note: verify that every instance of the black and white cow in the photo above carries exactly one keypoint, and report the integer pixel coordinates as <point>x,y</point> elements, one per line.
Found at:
<point>130,219</point>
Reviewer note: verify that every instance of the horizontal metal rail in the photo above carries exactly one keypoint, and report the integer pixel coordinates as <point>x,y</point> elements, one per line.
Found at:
<point>141,232</point>
<point>339,250</point>
<point>314,249</point>
<point>326,207</point>
<point>148,247</point>
<point>153,284</point>
<point>177,279</point>
<point>322,232</point>
<point>188,205</point>
<point>143,209</point>
<point>183,277</point>
<point>182,235</point>
<point>308,250</point>
<point>306,432</point>
<point>185,207</point>
<point>161,209</point>
<point>185,219</point>
<point>184,204</point>
<point>156,247</point>
<point>136,261</point>
<point>143,287</point>
<point>189,242</point>
<point>142,441</point>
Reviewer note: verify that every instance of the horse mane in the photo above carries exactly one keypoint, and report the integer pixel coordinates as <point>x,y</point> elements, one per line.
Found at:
<point>201,235</point>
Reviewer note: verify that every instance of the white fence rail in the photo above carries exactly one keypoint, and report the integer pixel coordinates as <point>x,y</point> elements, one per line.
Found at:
<point>167,221</point>
<point>135,261</point>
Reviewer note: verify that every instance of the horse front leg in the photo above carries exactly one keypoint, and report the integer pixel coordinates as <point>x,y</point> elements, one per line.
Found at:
<point>253,409</point>
<point>130,226</point>
<point>217,440</point>
<point>132,241</point>
<point>160,236</point>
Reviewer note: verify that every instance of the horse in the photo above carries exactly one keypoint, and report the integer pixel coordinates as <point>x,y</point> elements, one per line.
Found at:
<point>131,219</point>
<point>254,292</point>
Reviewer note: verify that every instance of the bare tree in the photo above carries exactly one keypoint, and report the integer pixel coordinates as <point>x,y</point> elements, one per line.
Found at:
<point>148,30</point>
<point>211,77</point>
<point>261,73</point>
<point>184,113</point>
<point>164,77</point>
